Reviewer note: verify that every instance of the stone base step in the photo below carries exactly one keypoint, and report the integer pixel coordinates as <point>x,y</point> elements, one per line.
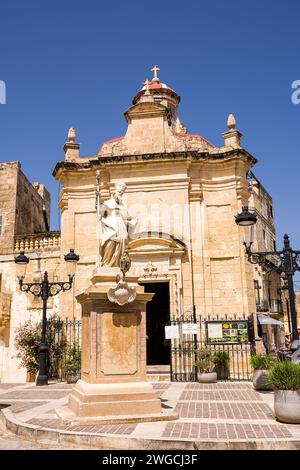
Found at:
<point>158,378</point>
<point>158,373</point>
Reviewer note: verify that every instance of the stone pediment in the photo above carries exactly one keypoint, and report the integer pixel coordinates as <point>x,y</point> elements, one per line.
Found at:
<point>143,110</point>
<point>156,243</point>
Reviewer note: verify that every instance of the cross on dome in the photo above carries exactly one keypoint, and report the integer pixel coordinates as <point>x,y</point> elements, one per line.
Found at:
<point>146,83</point>
<point>155,69</point>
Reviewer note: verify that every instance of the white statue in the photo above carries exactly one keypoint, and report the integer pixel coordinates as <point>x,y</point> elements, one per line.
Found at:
<point>115,226</point>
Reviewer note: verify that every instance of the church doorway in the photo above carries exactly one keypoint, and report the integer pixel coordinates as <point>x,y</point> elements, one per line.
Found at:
<point>158,316</point>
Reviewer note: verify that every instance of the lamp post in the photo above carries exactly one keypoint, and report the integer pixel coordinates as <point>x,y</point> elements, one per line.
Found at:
<point>286,261</point>
<point>45,289</point>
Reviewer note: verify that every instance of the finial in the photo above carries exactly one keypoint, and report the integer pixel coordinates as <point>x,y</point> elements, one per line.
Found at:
<point>155,69</point>
<point>146,83</point>
<point>231,121</point>
<point>72,135</point>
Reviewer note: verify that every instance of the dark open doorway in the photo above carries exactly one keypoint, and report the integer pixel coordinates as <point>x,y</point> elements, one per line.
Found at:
<point>158,315</point>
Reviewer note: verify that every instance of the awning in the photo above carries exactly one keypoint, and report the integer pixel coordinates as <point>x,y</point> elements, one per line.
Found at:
<point>263,320</point>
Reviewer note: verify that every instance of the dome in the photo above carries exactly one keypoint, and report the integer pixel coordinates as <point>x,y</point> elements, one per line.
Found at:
<point>157,89</point>
<point>156,86</point>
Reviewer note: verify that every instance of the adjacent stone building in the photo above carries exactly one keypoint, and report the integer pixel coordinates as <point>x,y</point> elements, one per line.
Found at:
<point>187,249</point>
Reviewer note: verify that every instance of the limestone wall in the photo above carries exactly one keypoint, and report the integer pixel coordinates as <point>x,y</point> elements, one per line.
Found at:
<point>193,203</point>
<point>8,189</point>
<point>20,307</point>
<point>21,205</point>
<point>264,239</point>
<point>29,207</point>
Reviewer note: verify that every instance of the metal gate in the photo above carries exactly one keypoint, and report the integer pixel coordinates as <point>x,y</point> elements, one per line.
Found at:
<point>185,350</point>
<point>63,335</point>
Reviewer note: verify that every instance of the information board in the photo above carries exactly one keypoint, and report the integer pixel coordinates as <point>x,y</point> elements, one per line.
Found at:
<point>171,332</point>
<point>189,328</point>
<point>229,331</point>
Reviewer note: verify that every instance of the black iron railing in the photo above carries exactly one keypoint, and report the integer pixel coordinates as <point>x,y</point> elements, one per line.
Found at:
<point>64,334</point>
<point>184,351</point>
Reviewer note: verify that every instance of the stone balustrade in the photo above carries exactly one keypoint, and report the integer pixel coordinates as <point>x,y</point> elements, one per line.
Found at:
<point>38,241</point>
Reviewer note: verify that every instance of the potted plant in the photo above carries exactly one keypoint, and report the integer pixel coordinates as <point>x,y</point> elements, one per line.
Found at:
<point>261,364</point>
<point>205,367</point>
<point>221,361</point>
<point>72,365</point>
<point>285,378</point>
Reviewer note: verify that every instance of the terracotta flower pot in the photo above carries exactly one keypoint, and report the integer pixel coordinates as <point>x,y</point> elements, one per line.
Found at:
<point>287,406</point>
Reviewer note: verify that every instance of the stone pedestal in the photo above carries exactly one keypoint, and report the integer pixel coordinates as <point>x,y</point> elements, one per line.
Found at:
<point>113,370</point>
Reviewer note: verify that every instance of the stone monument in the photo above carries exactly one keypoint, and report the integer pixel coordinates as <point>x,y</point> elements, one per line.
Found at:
<point>113,385</point>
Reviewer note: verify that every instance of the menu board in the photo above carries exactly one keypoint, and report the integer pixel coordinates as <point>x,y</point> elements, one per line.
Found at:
<point>230,331</point>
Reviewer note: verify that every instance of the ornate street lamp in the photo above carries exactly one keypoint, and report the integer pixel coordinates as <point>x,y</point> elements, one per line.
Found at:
<point>285,262</point>
<point>245,218</point>
<point>45,289</point>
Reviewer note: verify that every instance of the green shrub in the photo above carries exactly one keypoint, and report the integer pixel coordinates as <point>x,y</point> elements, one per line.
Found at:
<point>285,375</point>
<point>72,363</point>
<point>205,362</point>
<point>262,362</point>
<point>221,358</point>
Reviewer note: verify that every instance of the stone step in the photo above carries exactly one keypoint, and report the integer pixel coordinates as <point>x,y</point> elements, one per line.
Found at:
<point>158,373</point>
<point>158,378</point>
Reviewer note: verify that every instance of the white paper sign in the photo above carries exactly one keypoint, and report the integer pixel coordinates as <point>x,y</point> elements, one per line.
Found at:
<point>189,328</point>
<point>171,332</point>
<point>214,330</point>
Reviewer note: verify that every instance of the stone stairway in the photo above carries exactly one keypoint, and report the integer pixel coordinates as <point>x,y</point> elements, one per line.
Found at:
<point>158,373</point>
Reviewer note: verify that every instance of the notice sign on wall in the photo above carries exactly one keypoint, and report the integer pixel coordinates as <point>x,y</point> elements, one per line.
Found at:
<point>189,328</point>
<point>171,332</point>
<point>227,331</point>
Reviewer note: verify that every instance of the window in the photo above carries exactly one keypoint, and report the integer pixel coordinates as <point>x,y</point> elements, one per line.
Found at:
<point>1,224</point>
<point>257,293</point>
<point>269,295</point>
<point>271,211</point>
<point>274,245</point>
<point>264,235</point>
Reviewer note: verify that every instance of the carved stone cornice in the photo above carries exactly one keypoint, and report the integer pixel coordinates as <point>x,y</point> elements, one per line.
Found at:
<point>191,155</point>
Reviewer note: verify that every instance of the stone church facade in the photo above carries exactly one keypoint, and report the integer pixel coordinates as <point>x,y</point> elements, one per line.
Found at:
<point>183,190</point>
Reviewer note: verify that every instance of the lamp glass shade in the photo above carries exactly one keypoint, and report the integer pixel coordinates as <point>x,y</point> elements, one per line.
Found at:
<point>21,264</point>
<point>71,268</point>
<point>21,269</point>
<point>71,259</point>
<point>246,223</point>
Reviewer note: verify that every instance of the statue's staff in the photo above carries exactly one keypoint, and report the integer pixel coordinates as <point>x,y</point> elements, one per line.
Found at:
<point>98,200</point>
<point>98,212</point>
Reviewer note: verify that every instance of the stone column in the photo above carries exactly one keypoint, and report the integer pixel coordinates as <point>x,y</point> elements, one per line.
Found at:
<point>113,382</point>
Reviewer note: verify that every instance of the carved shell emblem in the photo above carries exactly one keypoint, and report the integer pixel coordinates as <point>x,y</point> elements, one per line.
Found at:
<point>122,294</point>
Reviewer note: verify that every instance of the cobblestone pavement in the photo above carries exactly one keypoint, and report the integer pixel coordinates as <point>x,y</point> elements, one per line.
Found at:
<point>223,412</point>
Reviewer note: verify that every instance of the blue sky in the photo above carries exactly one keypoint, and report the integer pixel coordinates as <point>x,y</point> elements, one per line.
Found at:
<point>80,63</point>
